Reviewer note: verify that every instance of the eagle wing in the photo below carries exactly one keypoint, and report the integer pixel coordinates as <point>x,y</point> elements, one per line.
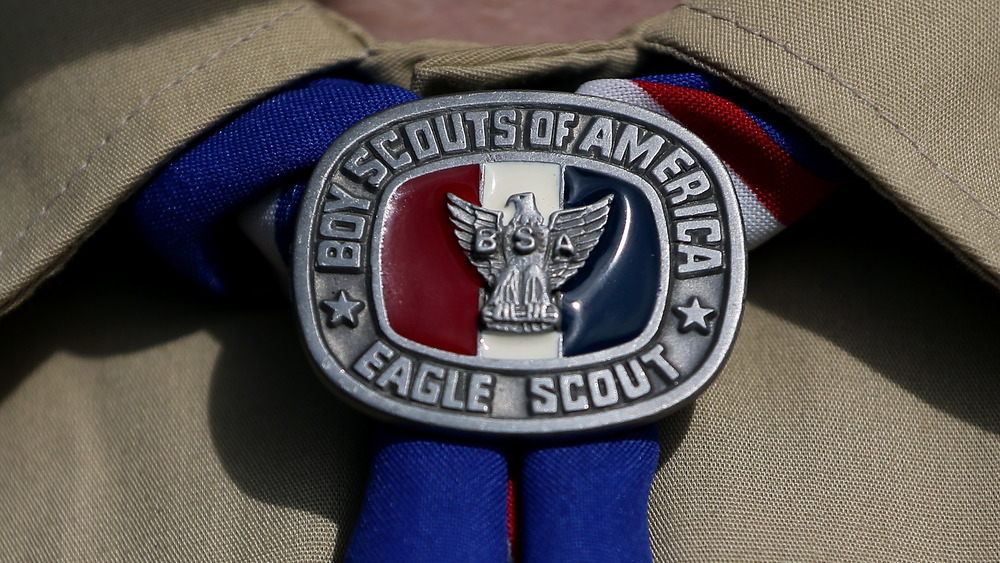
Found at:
<point>470,219</point>
<point>573,234</point>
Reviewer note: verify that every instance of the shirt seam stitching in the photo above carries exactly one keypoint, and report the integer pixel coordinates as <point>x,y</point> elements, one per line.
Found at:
<point>440,62</point>
<point>857,94</point>
<point>109,138</point>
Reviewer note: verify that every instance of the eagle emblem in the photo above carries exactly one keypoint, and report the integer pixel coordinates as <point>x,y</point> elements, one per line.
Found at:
<point>526,261</point>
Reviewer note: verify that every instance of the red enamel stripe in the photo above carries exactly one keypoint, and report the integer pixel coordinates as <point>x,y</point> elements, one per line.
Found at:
<point>431,290</point>
<point>780,183</point>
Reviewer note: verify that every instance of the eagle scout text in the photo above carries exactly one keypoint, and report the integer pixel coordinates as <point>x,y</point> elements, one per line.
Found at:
<point>519,262</point>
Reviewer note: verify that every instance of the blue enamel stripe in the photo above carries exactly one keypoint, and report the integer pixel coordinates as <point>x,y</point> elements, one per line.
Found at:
<point>610,300</point>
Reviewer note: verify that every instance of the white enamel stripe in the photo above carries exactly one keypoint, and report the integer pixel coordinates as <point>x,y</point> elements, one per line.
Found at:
<point>500,180</point>
<point>504,179</point>
<point>520,346</point>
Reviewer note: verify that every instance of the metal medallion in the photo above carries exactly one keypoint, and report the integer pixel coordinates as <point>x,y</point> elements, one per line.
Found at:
<point>519,263</point>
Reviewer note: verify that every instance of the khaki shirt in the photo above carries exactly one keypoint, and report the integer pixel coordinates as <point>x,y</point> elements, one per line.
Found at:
<point>858,418</point>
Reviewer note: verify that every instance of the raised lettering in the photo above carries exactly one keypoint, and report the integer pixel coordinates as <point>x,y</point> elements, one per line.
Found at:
<point>695,209</point>
<point>698,259</point>
<point>339,255</point>
<point>658,359</point>
<point>365,168</point>
<point>524,242</point>
<point>598,135</point>
<point>478,120</point>
<point>571,388</point>
<point>563,131</point>
<point>503,122</point>
<point>381,145</point>
<point>634,384</point>
<point>452,398</point>
<point>670,165</point>
<point>456,140</point>
<point>685,228</point>
<point>543,395</point>
<point>480,393</point>
<point>563,247</point>
<point>541,129</point>
<point>373,360</point>
<point>398,374</point>
<point>422,140</point>
<point>603,391</point>
<point>692,184</point>
<point>485,241</point>
<point>628,149</point>
<point>343,201</point>
<point>342,226</point>
<point>427,385</point>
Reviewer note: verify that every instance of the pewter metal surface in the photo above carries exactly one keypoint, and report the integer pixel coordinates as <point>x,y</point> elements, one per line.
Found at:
<point>526,252</point>
<point>337,275</point>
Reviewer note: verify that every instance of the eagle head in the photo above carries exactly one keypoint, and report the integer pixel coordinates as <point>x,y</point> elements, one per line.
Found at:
<point>522,202</point>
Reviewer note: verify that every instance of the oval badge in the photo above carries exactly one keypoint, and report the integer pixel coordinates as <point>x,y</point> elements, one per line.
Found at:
<point>519,263</point>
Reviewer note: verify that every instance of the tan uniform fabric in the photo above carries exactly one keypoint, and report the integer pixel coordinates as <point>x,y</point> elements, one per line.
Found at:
<point>856,420</point>
<point>108,90</point>
<point>909,91</point>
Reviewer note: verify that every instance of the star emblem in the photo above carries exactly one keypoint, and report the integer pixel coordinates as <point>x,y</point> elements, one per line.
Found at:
<point>695,316</point>
<point>343,310</point>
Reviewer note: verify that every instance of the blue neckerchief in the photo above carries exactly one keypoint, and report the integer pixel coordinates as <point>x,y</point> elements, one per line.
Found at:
<point>429,498</point>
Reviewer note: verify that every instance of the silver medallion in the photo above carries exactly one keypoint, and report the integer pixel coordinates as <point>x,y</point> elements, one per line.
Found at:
<point>519,263</point>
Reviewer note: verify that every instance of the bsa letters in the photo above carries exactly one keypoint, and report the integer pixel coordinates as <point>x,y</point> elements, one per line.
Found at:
<point>666,195</point>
